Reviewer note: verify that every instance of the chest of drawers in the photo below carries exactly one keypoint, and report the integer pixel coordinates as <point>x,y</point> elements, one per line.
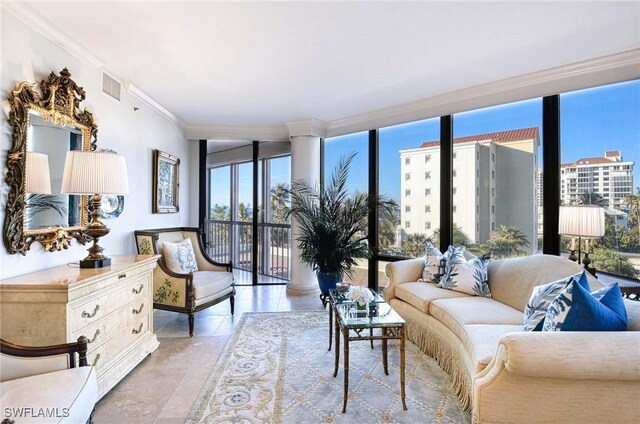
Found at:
<point>111,306</point>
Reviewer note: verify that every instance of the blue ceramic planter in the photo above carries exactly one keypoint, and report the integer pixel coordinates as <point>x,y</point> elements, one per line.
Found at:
<point>327,281</point>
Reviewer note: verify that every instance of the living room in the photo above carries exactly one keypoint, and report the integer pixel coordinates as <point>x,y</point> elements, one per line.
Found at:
<point>481,123</point>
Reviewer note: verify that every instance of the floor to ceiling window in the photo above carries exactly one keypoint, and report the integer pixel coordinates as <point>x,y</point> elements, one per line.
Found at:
<point>600,142</point>
<point>336,148</point>
<point>409,173</point>
<point>246,222</point>
<point>497,196</point>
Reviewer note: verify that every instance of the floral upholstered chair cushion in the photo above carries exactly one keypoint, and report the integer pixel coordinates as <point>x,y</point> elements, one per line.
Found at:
<point>179,257</point>
<point>466,276</point>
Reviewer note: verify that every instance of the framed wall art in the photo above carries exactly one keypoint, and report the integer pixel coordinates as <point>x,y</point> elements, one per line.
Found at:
<point>166,184</point>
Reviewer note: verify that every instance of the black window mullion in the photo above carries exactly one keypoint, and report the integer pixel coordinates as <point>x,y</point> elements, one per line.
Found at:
<point>446,182</point>
<point>254,233</point>
<point>551,174</point>
<point>374,188</point>
<point>203,202</point>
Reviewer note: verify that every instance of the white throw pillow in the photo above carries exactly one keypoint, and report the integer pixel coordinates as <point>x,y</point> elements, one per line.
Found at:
<point>180,257</point>
<point>470,277</point>
<point>432,257</point>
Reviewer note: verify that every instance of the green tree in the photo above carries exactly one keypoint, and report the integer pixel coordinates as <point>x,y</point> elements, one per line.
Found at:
<point>608,260</point>
<point>459,237</point>
<point>413,245</point>
<point>279,203</point>
<point>220,213</point>
<point>592,198</point>
<point>508,241</point>
<point>387,225</point>
<point>243,212</point>
<point>632,205</point>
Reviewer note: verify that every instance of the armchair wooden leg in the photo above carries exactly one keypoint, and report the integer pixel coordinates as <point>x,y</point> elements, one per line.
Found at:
<point>191,325</point>
<point>232,300</point>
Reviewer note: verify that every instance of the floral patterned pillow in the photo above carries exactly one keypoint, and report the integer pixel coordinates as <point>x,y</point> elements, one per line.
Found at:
<point>180,257</point>
<point>432,258</point>
<point>470,277</point>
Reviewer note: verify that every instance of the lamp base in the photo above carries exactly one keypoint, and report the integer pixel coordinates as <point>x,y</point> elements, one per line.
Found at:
<point>95,263</point>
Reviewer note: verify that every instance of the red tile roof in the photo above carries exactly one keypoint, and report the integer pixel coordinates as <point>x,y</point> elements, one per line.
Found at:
<point>499,137</point>
<point>612,153</point>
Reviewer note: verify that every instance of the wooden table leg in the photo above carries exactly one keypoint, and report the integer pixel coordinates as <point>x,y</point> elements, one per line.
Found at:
<point>403,336</point>
<point>346,369</point>
<point>330,325</point>
<point>338,329</point>
<point>385,361</point>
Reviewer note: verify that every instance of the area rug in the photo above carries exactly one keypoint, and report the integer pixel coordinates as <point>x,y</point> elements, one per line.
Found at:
<point>276,369</point>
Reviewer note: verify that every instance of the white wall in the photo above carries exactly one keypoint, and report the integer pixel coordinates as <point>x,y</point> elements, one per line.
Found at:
<point>28,56</point>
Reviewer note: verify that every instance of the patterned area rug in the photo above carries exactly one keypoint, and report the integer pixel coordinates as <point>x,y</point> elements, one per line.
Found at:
<point>276,369</point>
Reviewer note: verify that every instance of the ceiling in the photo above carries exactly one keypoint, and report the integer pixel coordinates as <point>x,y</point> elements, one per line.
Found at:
<point>241,63</point>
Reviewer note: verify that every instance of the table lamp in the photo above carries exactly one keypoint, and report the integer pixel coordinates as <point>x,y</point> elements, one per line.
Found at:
<point>95,174</point>
<point>582,221</point>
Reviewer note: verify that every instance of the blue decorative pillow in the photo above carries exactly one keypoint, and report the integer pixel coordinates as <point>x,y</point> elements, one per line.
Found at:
<point>575,309</point>
<point>542,296</point>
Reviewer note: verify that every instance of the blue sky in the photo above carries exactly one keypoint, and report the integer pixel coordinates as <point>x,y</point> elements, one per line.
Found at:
<point>592,121</point>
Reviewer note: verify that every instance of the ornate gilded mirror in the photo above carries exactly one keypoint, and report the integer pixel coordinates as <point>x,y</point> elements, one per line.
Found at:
<point>45,126</point>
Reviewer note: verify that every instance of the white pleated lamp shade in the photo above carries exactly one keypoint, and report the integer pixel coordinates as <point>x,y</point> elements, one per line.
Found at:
<point>37,178</point>
<point>94,173</point>
<point>581,221</point>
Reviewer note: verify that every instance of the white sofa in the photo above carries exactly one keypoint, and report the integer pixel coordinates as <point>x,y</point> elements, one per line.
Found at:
<point>504,374</point>
<point>41,385</point>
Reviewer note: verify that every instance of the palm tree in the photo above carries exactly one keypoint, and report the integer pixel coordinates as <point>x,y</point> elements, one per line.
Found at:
<point>279,202</point>
<point>459,237</point>
<point>592,198</point>
<point>387,224</point>
<point>508,241</point>
<point>632,203</point>
<point>332,223</point>
<point>413,245</point>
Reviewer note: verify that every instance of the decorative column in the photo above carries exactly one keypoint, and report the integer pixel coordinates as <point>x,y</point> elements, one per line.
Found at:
<point>305,163</point>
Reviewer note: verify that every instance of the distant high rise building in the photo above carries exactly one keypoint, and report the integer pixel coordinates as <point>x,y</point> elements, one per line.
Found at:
<point>494,184</point>
<point>609,176</point>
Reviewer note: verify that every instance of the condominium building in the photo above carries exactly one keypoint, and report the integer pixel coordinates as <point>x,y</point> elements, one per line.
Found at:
<point>609,176</point>
<point>494,183</point>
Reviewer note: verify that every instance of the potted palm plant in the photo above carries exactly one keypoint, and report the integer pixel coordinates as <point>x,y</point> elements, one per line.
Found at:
<point>332,224</point>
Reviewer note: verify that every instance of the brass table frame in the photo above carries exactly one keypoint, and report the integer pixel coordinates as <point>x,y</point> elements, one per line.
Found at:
<point>388,332</point>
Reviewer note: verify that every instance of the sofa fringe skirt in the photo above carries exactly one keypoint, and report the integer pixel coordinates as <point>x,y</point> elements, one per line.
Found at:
<point>434,346</point>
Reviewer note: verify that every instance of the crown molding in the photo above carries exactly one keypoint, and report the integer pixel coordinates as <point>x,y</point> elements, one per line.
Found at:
<point>32,18</point>
<point>140,95</point>
<point>610,69</point>
<point>311,127</point>
<point>232,132</point>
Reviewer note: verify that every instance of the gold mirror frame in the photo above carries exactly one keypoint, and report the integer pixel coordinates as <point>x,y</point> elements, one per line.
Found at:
<point>59,104</point>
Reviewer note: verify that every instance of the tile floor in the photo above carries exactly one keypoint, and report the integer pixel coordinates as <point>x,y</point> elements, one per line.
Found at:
<point>164,387</point>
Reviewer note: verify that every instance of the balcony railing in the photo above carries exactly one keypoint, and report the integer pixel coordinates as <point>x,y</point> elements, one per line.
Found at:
<point>233,241</point>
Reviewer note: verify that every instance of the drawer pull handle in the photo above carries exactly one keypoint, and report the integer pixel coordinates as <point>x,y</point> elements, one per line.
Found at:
<point>96,359</point>
<point>134,331</point>
<point>137,311</point>
<point>121,276</point>
<point>95,336</point>
<point>138,291</point>
<point>86,314</point>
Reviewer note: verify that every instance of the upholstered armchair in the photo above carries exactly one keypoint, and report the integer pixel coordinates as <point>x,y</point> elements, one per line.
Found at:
<point>180,291</point>
<point>44,384</point>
